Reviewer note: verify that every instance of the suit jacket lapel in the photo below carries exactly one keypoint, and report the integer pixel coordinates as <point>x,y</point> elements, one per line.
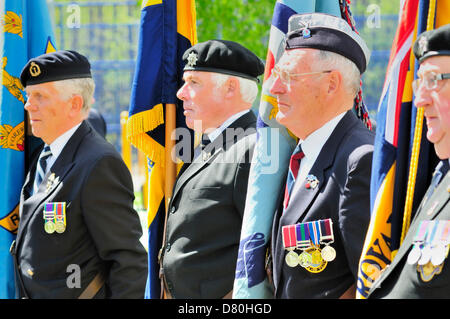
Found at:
<point>59,170</point>
<point>212,151</point>
<point>304,198</point>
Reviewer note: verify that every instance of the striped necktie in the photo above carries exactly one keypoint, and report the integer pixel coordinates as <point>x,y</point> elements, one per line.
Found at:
<point>205,141</point>
<point>41,168</point>
<point>294,166</point>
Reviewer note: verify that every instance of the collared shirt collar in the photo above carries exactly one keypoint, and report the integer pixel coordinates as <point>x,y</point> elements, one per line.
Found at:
<point>58,144</point>
<point>214,134</point>
<point>313,144</point>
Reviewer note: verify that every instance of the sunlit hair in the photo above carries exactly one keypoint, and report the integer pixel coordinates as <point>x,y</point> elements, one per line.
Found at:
<point>327,60</point>
<point>248,88</point>
<point>84,87</point>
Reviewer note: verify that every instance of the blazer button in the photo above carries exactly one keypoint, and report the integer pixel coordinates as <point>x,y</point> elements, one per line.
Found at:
<point>168,247</point>
<point>173,210</point>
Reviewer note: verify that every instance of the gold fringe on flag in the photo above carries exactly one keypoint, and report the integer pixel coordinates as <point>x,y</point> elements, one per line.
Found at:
<point>137,127</point>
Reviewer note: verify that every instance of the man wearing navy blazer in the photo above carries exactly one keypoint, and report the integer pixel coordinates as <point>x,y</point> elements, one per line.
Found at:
<point>420,268</point>
<point>78,234</point>
<point>200,248</point>
<point>318,231</point>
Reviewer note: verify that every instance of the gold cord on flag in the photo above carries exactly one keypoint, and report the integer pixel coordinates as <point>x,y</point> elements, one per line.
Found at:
<point>416,145</point>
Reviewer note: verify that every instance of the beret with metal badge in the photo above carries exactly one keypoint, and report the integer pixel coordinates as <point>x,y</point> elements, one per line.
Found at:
<point>55,66</point>
<point>222,56</point>
<point>329,33</point>
<point>432,43</point>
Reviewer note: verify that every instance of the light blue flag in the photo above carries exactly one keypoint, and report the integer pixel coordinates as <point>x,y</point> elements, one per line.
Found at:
<point>270,161</point>
<point>25,33</point>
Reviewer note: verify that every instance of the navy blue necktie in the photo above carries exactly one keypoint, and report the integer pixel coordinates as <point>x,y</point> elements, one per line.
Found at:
<point>41,167</point>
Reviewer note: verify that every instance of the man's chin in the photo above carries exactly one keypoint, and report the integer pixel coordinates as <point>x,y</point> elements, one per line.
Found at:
<point>442,149</point>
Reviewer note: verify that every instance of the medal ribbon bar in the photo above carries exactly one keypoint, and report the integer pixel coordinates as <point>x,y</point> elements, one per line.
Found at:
<point>421,232</point>
<point>303,237</point>
<point>326,231</point>
<point>314,232</point>
<point>289,237</point>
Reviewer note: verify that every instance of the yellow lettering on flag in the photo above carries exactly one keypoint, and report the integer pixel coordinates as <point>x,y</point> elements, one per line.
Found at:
<point>377,251</point>
<point>11,221</point>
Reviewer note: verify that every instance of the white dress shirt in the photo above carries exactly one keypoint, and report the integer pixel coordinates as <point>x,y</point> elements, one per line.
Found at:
<point>57,146</point>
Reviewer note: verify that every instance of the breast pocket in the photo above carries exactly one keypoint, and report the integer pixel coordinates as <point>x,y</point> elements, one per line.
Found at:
<point>205,193</point>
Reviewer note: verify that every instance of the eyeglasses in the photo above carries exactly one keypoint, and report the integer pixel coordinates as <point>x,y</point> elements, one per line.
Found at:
<point>286,77</point>
<point>430,80</point>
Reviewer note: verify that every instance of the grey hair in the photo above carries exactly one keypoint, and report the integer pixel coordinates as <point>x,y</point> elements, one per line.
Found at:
<point>83,86</point>
<point>248,88</point>
<point>351,76</point>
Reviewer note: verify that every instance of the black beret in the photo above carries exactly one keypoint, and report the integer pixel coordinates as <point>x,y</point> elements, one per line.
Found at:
<point>432,43</point>
<point>328,33</point>
<point>55,66</point>
<point>223,56</point>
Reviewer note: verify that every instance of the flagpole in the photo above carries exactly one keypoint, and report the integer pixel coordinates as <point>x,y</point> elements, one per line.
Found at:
<point>170,165</point>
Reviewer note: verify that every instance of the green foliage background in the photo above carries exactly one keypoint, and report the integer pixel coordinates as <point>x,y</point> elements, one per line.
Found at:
<point>245,21</point>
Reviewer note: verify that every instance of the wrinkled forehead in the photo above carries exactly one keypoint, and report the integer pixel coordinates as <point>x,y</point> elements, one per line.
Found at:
<point>437,64</point>
<point>297,59</point>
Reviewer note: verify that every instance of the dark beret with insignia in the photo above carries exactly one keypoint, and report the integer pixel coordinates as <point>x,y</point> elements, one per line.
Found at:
<point>328,33</point>
<point>222,56</point>
<point>55,66</point>
<point>432,43</point>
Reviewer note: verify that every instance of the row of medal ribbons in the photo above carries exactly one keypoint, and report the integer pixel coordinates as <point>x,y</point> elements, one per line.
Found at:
<point>308,237</point>
<point>430,243</point>
<point>54,217</point>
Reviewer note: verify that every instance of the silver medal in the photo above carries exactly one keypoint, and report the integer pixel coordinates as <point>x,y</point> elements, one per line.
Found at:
<point>426,255</point>
<point>438,253</point>
<point>414,255</point>
<point>328,253</point>
<point>291,259</point>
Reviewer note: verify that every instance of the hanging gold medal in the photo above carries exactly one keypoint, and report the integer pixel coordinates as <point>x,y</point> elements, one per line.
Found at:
<point>317,264</point>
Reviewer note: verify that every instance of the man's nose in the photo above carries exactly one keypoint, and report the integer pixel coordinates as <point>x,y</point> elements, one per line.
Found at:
<point>422,97</point>
<point>277,86</point>
<point>181,93</point>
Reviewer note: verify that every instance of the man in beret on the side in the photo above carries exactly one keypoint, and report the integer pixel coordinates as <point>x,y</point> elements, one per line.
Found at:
<point>78,234</point>
<point>421,268</point>
<point>320,226</point>
<point>200,248</point>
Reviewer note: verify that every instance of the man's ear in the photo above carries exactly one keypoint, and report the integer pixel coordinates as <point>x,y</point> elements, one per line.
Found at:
<point>334,82</point>
<point>231,87</point>
<point>77,103</point>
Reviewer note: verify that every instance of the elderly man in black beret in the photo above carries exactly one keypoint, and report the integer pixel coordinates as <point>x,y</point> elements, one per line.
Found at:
<point>320,226</point>
<point>200,247</point>
<point>78,234</point>
<point>420,268</point>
